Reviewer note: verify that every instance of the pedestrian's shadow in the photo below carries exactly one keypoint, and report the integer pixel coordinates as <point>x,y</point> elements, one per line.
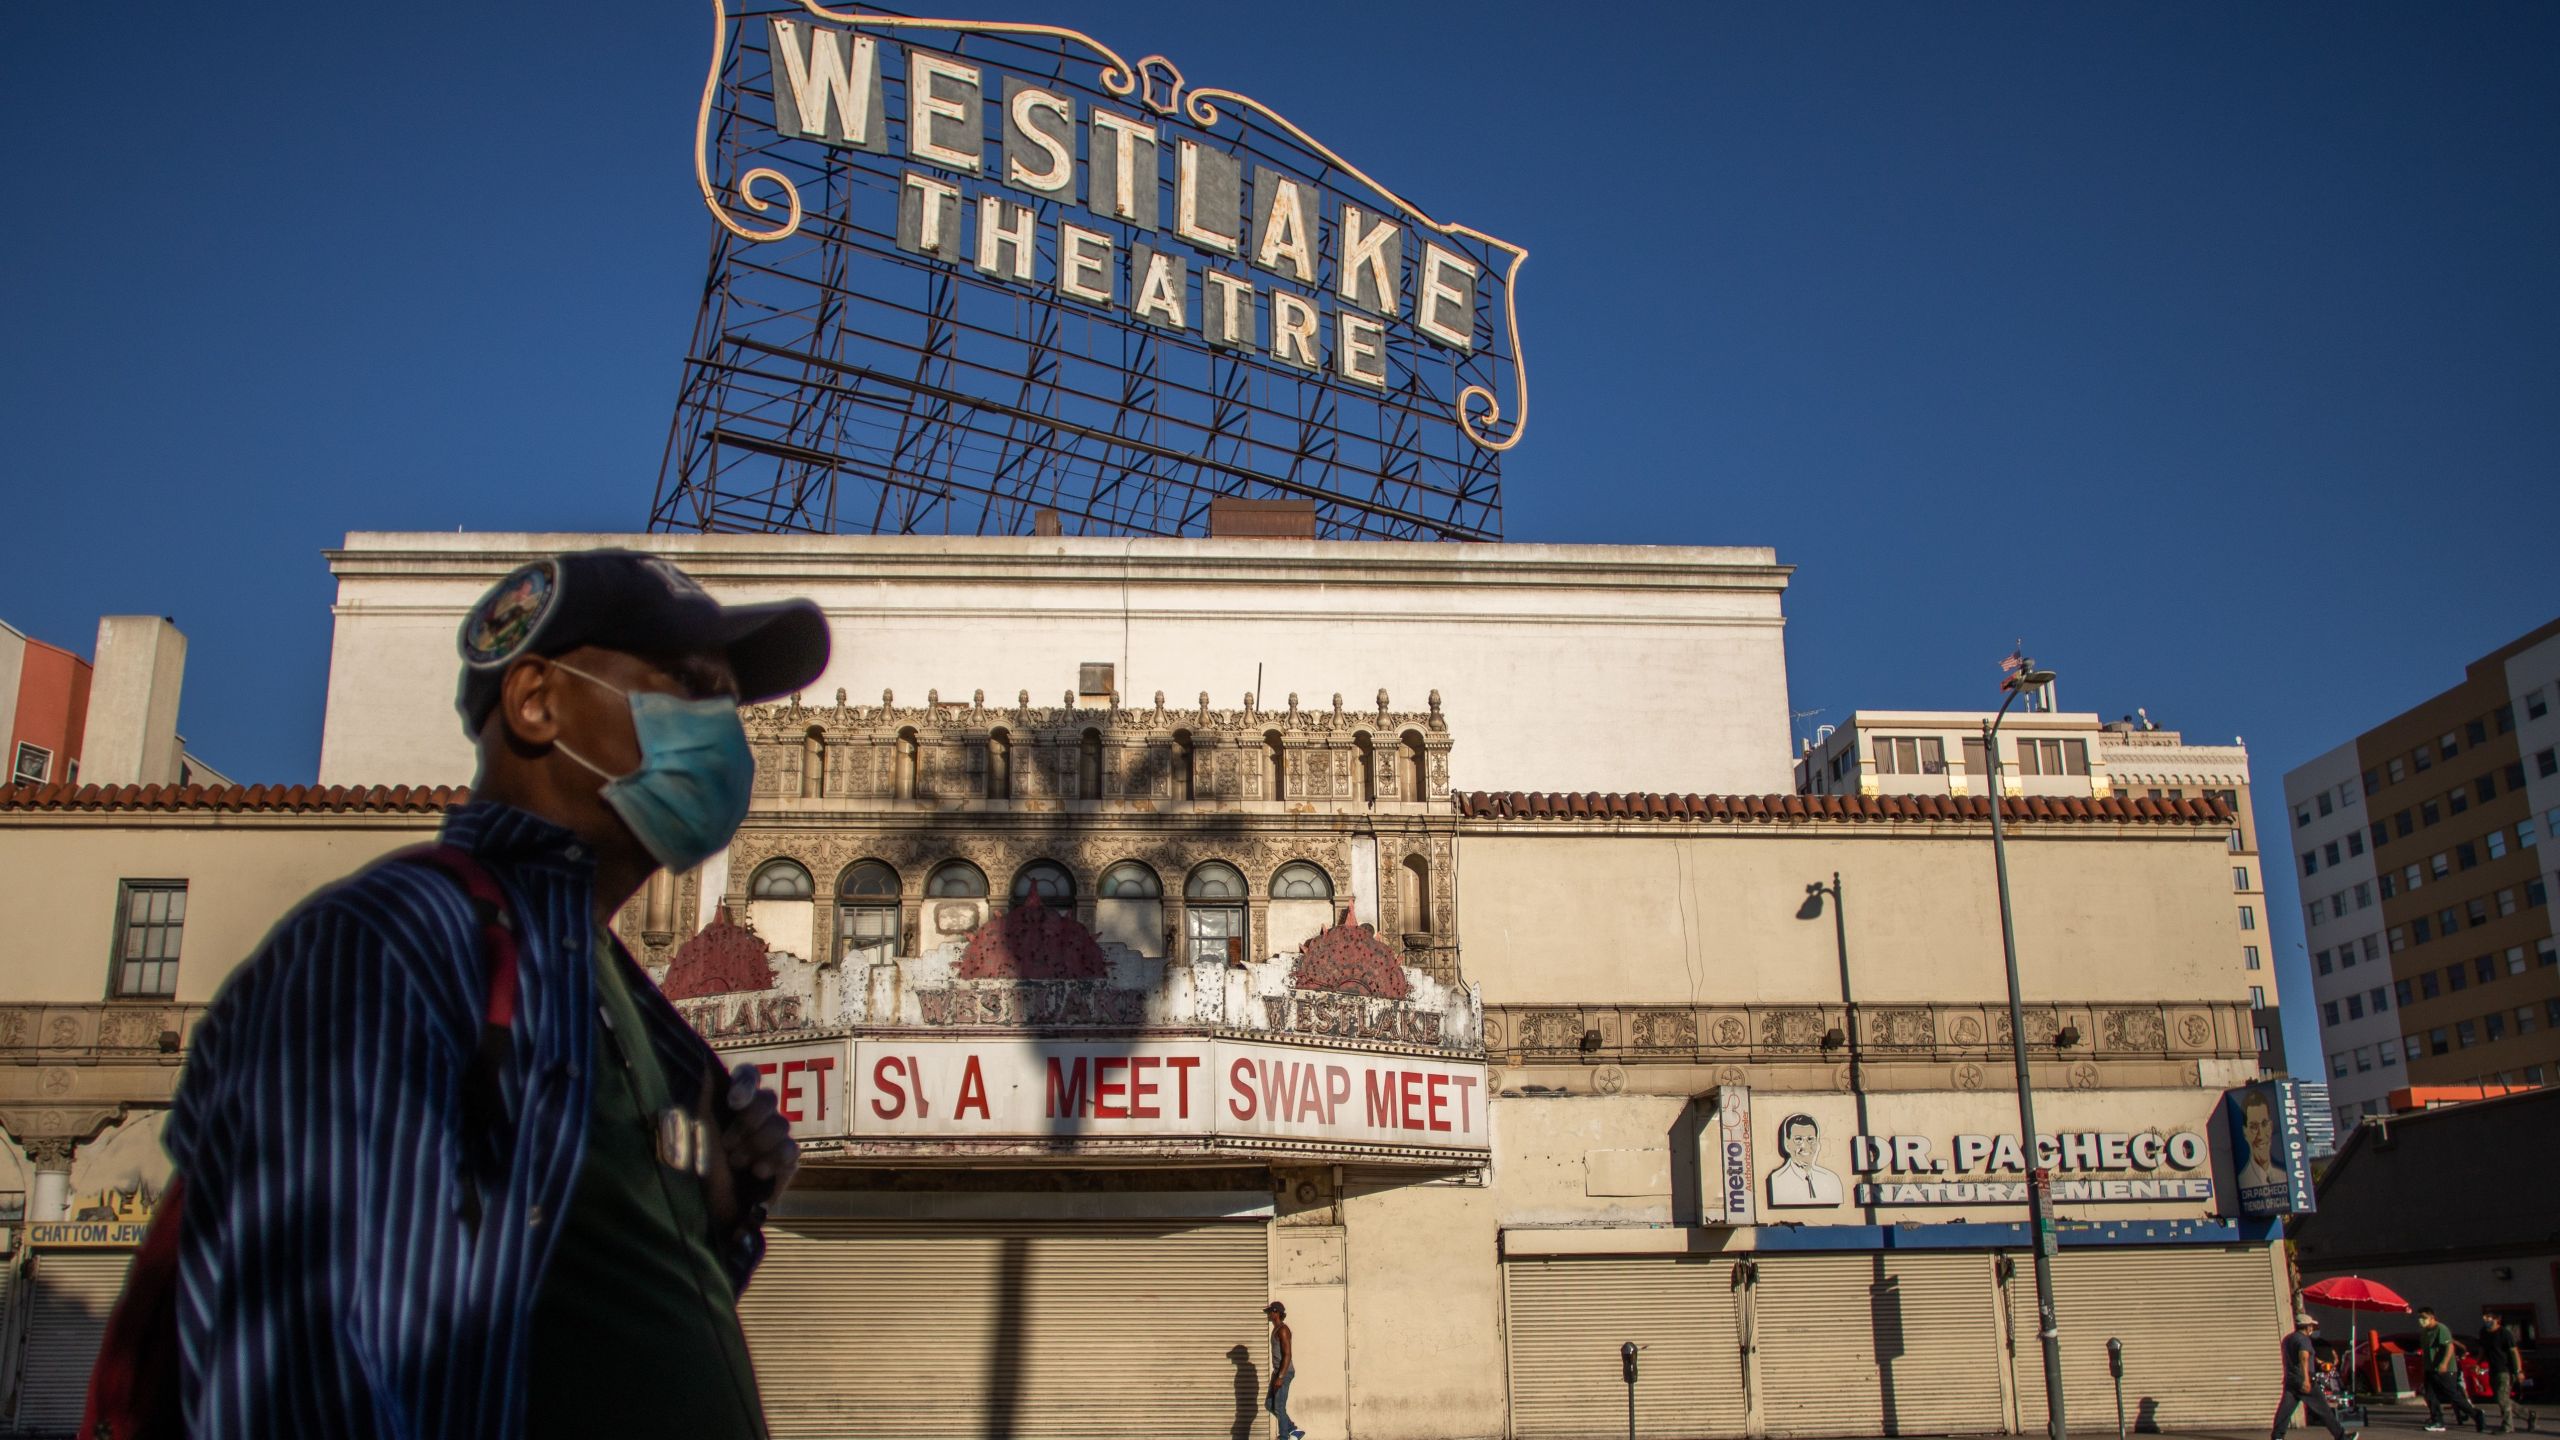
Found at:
<point>1248,1392</point>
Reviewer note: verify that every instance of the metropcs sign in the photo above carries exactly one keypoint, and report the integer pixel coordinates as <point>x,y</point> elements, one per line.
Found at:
<point>1188,1089</point>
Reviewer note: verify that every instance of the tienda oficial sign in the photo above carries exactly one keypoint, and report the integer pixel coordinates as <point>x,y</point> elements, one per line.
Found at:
<point>1181,1089</point>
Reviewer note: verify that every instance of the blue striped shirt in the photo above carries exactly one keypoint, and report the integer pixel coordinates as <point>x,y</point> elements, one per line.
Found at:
<point>330,1281</point>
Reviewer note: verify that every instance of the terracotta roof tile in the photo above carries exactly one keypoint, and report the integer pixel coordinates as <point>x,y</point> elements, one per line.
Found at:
<point>1802,809</point>
<point>291,799</point>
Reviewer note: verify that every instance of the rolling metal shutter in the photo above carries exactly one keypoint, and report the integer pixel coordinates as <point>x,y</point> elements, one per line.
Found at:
<point>1107,1329</point>
<point>1566,1318</point>
<point>2200,1328</point>
<point>69,1293</point>
<point>1879,1344</point>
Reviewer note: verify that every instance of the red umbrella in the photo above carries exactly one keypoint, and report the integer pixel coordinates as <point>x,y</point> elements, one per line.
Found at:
<point>2352,1293</point>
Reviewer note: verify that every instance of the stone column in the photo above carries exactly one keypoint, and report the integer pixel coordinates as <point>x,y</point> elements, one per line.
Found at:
<point>50,1157</point>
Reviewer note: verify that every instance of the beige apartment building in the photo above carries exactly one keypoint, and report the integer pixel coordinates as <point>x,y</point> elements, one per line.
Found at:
<point>1105,1019</point>
<point>2049,752</point>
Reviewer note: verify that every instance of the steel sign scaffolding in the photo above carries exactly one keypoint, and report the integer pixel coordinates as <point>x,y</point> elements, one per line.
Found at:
<point>856,368</point>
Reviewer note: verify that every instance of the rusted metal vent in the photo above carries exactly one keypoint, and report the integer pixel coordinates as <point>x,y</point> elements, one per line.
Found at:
<point>1262,519</point>
<point>1094,677</point>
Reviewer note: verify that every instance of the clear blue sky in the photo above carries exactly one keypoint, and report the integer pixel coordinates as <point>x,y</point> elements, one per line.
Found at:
<point>2214,350</point>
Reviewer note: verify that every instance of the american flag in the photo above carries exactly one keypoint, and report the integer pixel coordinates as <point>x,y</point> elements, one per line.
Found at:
<point>2016,663</point>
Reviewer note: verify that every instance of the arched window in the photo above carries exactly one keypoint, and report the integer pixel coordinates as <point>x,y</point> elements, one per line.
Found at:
<point>780,880</point>
<point>1274,765</point>
<point>1130,880</point>
<point>1089,766</point>
<point>1047,879</point>
<point>906,777</point>
<point>1128,909</point>
<point>1417,895</point>
<point>999,766</point>
<point>867,912</point>
<point>1213,912</point>
<point>1368,766</point>
<point>868,880</point>
<point>1184,786</point>
<point>813,764</point>
<point>1299,880</point>
<point>956,880</point>
<point>1410,762</point>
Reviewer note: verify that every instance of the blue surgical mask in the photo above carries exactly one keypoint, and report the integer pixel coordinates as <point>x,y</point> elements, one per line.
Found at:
<point>696,774</point>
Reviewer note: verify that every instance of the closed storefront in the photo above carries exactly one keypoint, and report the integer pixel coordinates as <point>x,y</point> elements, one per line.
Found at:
<point>1567,1316</point>
<point>2200,1327</point>
<point>1879,1343</point>
<point>69,1293</point>
<point>919,1328</point>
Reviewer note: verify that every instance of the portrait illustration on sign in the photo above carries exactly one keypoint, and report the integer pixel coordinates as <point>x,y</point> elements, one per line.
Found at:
<point>2261,1164</point>
<point>1801,1182</point>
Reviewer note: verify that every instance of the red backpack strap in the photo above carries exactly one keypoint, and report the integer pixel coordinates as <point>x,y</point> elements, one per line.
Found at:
<point>484,1110</point>
<point>497,924</point>
<point>136,1387</point>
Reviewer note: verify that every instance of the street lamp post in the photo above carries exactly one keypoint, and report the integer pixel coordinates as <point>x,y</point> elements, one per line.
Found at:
<point>1814,892</point>
<point>2039,1198</point>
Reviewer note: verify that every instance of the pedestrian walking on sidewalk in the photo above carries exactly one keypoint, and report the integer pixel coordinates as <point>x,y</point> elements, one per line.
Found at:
<point>1284,1368</point>
<point>454,1167</point>
<point>2301,1387</point>
<point>2444,1375</point>
<point>2498,1347</point>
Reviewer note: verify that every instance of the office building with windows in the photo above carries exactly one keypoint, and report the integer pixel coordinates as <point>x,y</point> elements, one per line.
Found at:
<point>2422,850</point>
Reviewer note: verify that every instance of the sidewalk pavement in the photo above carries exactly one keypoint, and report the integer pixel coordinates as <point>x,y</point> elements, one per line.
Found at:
<point>2382,1418</point>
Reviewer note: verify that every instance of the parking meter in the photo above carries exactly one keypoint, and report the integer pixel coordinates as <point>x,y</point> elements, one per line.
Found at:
<point>1627,1365</point>
<point>2115,1368</point>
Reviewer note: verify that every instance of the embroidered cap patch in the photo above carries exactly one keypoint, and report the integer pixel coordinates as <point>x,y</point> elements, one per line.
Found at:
<point>507,618</point>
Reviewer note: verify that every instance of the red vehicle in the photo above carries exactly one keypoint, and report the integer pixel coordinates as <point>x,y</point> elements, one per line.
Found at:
<point>2371,1364</point>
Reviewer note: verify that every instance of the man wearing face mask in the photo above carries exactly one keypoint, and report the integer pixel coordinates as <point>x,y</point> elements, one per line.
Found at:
<point>405,1217</point>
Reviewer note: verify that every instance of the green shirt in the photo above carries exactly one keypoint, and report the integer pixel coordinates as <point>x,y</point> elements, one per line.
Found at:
<point>636,1332</point>
<point>2438,1342</point>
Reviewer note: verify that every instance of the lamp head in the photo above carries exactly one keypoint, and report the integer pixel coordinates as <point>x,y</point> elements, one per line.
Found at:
<point>2027,679</point>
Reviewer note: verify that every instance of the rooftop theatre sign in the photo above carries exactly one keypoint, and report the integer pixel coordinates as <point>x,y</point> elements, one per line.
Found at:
<point>1184,1092</point>
<point>987,177</point>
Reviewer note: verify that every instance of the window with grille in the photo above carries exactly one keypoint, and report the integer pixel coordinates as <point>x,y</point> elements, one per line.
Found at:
<point>1213,912</point>
<point>867,912</point>
<point>1299,880</point>
<point>150,920</point>
<point>780,880</point>
<point>1048,880</point>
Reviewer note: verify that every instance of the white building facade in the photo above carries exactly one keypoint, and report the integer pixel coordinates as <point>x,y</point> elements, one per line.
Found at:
<point>1565,658</point>
<point>2343,930</point>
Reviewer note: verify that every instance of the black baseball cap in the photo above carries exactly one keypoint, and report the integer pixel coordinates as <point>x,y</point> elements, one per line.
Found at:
<point>641,605</point>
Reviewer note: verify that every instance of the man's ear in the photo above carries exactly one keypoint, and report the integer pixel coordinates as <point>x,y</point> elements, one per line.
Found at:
<point>527,701</point>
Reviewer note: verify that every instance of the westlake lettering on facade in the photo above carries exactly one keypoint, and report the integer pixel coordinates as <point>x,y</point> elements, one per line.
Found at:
<point>828,87</point>
<point>1058,277</point>
<point>929,1088</point>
